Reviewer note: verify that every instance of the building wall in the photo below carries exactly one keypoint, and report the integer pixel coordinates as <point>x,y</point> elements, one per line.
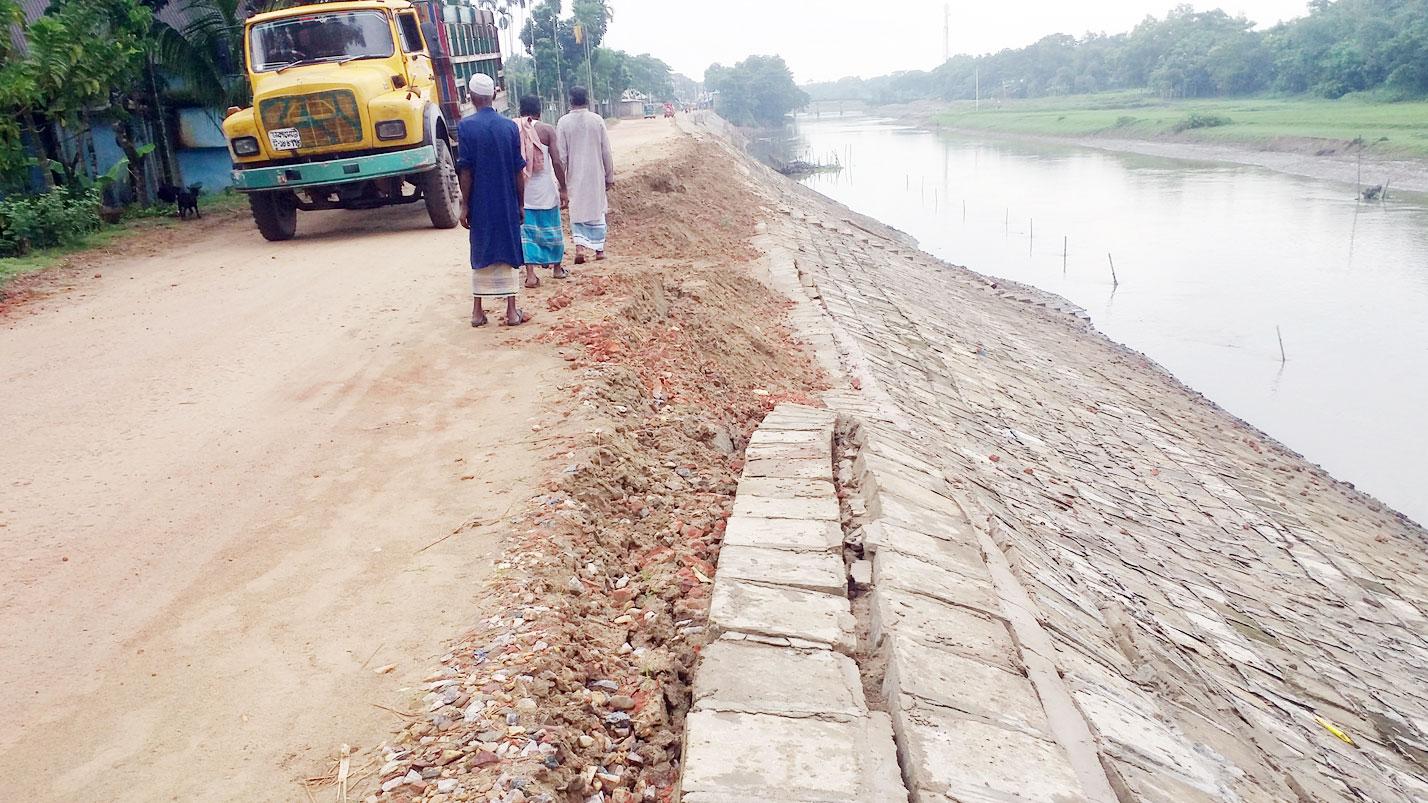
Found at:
<point>203,152</point>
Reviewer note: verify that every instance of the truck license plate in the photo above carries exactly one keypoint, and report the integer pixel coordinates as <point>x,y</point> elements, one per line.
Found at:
<point>285,139</point>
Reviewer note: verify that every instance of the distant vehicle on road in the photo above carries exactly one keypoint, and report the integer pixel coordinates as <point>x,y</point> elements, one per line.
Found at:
<point>355,106</point>
<point>669,110</point>
<point>649,111</point>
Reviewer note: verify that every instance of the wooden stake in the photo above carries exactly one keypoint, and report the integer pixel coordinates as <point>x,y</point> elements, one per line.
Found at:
<point>1114,281</point>
<point>1277,334</point>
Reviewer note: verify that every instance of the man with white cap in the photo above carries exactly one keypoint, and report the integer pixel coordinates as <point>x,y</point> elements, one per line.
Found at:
<point>493,183</point>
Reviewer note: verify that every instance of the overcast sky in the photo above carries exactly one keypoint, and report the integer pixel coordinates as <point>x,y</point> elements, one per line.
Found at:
<point>832,38</point>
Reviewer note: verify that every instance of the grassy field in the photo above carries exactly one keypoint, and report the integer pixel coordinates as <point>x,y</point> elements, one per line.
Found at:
<point>136,220</point>
<point>1308,124</point>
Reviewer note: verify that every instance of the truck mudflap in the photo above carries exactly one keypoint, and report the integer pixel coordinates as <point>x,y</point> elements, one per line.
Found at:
<point>335,171</point>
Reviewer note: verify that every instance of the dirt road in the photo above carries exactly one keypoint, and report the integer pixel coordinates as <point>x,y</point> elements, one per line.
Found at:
<point>222,464</point>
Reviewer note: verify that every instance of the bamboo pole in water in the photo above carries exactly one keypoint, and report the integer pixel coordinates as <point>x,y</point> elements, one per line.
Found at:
<point>1114,281</point>
<point>1279,335</point>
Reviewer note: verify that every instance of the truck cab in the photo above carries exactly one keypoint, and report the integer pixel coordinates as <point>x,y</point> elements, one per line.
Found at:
<point>355,106</point>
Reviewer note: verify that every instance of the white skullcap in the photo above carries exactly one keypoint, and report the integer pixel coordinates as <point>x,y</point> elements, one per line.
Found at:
<point>483,85</point>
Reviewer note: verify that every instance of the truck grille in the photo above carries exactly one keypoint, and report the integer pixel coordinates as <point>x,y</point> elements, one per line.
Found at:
<point>322,118</point>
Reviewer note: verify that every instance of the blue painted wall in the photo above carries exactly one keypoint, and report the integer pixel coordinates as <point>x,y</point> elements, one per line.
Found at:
<point>203,152</point>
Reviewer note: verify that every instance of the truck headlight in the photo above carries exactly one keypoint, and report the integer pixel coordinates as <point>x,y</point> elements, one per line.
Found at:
<point>245,146</point>
<point>391,129</point>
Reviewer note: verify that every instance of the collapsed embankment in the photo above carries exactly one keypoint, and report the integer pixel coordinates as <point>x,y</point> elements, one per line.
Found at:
<point>574,681</point>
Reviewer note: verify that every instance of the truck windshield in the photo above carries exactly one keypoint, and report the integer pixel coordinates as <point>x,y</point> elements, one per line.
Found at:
<point>310,38</point>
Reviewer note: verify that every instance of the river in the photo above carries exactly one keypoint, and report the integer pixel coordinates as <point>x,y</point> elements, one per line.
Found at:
<point>1215,262</point>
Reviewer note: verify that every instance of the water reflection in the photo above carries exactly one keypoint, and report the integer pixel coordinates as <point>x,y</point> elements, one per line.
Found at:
<point>1210,258</point>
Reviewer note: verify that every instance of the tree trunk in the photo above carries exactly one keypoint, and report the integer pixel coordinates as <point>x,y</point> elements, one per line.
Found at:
<point>42,150</point>
<point>124,139</point>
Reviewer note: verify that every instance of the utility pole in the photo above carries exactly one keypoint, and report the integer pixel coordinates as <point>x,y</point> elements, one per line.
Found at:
<point>946,32</point>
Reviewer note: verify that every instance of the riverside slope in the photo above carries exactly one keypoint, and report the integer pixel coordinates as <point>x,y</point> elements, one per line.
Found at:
<point>1225,621</point>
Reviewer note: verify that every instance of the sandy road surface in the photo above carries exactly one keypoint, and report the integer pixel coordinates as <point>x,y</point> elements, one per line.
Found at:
<point>221,464</point>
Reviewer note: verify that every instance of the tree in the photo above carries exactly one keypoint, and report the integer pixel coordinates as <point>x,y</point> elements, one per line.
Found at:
<point>757,91</point>
<point>206,52</point>
<point>18,96</point>
<point>84,59</point>
<point>562,50</point>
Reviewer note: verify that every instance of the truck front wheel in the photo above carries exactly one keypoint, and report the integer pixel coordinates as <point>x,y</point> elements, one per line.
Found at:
<point>275,213</point>
<point>441,190</point>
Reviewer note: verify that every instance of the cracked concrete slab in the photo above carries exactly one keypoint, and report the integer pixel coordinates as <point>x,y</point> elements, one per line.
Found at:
<point>788,451</point>
<point>929,675</point>
<point>780,611</point>
<point>756,757</point>
<point>960,630</point>
<point>793,534</point>
<point>786,487</point>
<point>810,571</point>
<point>955,555</point>
<point>813,469</point>
<point>758,678</point>
<point>972,589</point>
<point>821,437</point>
<point>822,508</point>
<point>948,759</point>
<point>916,491</point>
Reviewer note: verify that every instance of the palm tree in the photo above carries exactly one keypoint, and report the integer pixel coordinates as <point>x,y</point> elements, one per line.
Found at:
<point>205,51</point>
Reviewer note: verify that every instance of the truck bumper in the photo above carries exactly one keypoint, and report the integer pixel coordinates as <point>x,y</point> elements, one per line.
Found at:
<point>335,171</point>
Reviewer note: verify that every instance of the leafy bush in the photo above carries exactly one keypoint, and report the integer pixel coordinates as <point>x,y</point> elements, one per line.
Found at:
<point>1199,120</point>
<point>57,217</point>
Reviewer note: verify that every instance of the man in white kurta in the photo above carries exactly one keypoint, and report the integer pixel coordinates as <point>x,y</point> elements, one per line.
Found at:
<point>589,172</point>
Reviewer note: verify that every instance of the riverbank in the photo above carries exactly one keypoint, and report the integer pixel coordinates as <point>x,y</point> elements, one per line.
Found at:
<point>1103,539</point>
<point>1353,142</point>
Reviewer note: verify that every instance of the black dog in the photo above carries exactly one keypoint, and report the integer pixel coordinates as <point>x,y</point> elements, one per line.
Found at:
<point>185,197</point>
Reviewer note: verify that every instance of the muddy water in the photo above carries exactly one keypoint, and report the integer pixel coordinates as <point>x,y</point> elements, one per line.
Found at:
<point>1211,260</point>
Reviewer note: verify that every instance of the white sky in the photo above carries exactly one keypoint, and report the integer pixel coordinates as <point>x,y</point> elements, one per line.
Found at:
<point>828,39</point>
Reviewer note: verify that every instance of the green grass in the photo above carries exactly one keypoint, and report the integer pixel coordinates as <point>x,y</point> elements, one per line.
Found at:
<point>136,220</point>
<point>1390,129</point>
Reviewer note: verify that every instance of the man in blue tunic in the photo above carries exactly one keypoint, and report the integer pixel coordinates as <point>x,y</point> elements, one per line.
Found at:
<point>493,185</point>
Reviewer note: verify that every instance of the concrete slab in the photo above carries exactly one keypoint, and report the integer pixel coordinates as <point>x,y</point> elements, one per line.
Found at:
<point>794,534</point>
<point>895,570</point>
<point>766,610</point>
<point>914,517</point>
<point>798,437</point>
<point>956,555</point>
<point>749,757</point>
<point>814,469</point>
<point>871,461</point>
<point>820,508</point>
<point>790,451</point>
<point>946,758</point>
<point>812,420</point>
<point>918,492</point>
<point>1136,737</point>
<point>922,672</point>
<point>958,630</point>
<point>787,488</point>
<point>755,678</point>
<point>811,571</point>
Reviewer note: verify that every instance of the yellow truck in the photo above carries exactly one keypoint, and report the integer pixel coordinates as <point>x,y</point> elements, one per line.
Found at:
<point>355,106</point>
